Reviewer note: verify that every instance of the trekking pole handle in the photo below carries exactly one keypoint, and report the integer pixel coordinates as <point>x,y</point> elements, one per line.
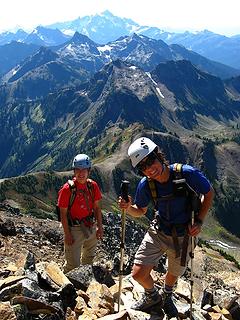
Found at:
<point>124,190</point>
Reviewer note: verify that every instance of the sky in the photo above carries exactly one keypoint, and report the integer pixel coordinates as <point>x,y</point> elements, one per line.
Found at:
<point>171,15</point>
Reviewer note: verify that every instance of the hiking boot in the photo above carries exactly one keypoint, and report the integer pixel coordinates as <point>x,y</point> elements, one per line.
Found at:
<point>169,306</point>
<point>148,300</point>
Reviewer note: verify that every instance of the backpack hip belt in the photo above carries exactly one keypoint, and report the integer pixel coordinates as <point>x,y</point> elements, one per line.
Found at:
<point>88,221</point>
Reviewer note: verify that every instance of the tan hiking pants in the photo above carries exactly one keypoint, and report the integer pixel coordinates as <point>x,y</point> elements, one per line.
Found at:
<point>82,251</point>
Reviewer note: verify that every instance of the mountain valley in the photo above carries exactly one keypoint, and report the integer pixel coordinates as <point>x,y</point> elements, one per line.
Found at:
<point>72,93</point>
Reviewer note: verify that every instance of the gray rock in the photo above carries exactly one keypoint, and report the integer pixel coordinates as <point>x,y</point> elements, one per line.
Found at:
<point>82,276</point>
<point>235,311</point>
<point>224,299</point>
<point>7,228</point>
<point>207,298</point>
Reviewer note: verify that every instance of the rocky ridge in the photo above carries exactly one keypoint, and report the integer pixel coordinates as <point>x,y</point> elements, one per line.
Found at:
<point>32,285</point>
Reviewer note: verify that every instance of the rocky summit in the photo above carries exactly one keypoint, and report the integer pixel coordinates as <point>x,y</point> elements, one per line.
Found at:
<point>33,286</point>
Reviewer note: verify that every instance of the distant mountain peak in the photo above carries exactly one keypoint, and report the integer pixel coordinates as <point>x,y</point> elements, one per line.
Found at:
<point>118,63</point>
<point>205,31</point>
<point>80,38</point>
<point>107,13</point>
<point>136,36</point>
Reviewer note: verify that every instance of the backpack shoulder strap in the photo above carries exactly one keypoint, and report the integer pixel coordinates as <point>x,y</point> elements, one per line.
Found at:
<point>153,190</point>
<point>71,184</point>
<point>177,171</point>
<point>73,190</point>
<point>91,189</point>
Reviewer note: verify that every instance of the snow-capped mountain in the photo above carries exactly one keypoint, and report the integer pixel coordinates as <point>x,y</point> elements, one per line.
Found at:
<point>46,36</point>
<point>40,36</point>
<point>105,27</point>
<point>101,28</point>
<point>7,37</point>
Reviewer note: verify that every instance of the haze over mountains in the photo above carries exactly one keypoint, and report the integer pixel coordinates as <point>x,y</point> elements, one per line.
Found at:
<point>69,94</point>
<point>106,27</point>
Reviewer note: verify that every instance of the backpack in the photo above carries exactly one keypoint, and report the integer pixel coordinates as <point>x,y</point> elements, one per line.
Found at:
<point>73,189</point>
<point>180,189</point>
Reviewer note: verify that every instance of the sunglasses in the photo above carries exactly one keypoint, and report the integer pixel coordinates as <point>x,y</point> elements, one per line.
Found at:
<point>143,165</point>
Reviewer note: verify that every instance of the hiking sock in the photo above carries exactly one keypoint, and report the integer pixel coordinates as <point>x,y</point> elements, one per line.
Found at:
<point>167,289</point>
<point>168,304</point>
<point>148,299</point>
<point>151,292</point>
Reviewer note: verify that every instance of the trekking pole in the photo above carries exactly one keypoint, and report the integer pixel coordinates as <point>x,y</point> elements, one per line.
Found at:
<point>124,195</point>
<point>192,256</point>
<point>196,203</point>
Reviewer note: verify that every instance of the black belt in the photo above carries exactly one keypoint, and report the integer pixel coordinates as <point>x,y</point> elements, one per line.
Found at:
<point>87,221</point>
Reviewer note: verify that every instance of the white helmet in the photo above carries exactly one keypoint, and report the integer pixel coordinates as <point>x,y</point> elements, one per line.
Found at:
<point>139,149</point>
<point>81,161</point>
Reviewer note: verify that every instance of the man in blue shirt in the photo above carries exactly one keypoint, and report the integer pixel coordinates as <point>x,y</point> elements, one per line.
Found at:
<point>173,220</point>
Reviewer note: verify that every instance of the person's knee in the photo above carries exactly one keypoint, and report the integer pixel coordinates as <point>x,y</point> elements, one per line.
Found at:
<point>139,273</point>
<point>175,269</point>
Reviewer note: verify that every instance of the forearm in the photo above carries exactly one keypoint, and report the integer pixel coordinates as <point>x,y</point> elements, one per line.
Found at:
<point>98,215</point>
<point>206,204</point>
<point>135,211</point>
<point>64,221</point>
<point>132,209</point>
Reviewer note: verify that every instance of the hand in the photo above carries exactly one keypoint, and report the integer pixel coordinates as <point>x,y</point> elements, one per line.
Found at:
<point>195,229</point>
<point>123,204</point>
<point>68,239</point>
<point>99,233</point>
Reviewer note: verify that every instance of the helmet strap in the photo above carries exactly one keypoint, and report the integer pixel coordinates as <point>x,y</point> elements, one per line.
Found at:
<point>160,160</point>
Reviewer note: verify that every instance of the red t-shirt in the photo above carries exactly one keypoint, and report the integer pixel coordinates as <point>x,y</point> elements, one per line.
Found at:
<point>79,207</point>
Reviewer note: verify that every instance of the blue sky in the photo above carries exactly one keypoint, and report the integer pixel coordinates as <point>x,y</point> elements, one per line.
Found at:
<point>172,15</point>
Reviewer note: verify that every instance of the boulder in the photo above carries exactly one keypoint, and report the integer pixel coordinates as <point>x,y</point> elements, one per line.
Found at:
<point>82,276</point>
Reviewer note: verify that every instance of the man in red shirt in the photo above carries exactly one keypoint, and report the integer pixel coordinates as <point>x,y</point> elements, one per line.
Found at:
<point>82,220</point>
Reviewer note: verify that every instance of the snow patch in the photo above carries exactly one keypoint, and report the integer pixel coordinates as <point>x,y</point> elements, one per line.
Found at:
<point>69,48</point>
<point>104,48</point>
<point>155,83</point>
<point>159,92</point>
<point>133,67</point>
<point>68,32</point>
<point>221,244</point>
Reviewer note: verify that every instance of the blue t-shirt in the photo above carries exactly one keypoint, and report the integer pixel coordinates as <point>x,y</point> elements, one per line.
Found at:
<point>172,211</point>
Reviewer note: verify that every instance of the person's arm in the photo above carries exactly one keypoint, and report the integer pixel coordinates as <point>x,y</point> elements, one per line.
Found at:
<point>68,239</point>
<point>131,209</point>
<point>98,216</point>
<point>205,206</point>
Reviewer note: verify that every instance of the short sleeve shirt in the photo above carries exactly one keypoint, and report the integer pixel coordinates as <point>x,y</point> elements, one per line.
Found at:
<point>174,211</point>
<point>80,209</point>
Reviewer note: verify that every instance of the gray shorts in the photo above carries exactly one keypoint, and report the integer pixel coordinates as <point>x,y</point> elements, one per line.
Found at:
<point>154,245</point>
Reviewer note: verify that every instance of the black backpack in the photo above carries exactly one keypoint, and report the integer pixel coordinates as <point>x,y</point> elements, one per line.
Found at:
<point>180,189</point>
